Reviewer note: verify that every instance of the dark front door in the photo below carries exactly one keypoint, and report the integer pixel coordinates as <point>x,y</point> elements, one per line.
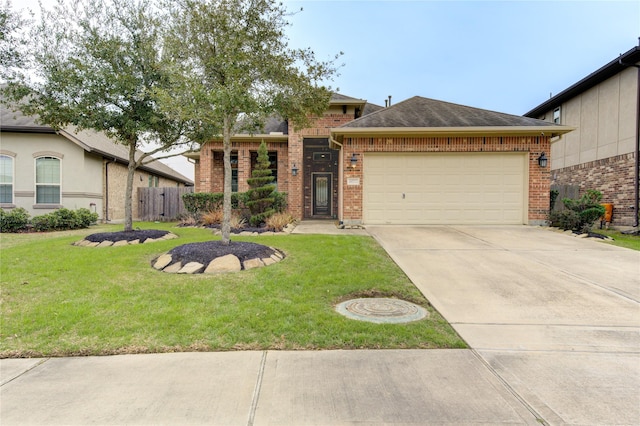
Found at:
<point>322,194</point>
<point>320,179</point>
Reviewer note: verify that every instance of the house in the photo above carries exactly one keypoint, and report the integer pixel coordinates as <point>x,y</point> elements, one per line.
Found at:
<point>420,161</point>
<point>42,170</point>
<point>602,153</point>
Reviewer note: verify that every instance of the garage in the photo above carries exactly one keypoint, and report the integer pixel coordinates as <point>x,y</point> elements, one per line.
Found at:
<point>445,188</point>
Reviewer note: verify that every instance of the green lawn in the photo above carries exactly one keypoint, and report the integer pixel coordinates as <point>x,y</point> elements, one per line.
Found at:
<point>58,299</point>
<point>621,240</point>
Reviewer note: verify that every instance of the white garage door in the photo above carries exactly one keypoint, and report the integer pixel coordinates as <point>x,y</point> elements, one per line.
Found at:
<point>444,188</point>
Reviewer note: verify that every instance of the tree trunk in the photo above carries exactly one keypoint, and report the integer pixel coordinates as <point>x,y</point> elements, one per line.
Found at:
<point>226,205</point>
<point>128,195</point>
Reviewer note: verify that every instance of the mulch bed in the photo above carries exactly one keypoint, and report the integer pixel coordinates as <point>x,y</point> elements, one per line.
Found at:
<point>205,252</point>
<point>202,253</point>
<point>139,234</point>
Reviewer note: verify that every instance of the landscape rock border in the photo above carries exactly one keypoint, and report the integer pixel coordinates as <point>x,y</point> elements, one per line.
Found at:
<point>213,257</point>
<point>123,238</point>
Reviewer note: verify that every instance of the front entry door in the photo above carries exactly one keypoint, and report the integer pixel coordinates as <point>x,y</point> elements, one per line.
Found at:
<point>322,194</point>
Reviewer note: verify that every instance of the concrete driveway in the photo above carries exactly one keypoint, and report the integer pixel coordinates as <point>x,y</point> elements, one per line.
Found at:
<point>557,318</point>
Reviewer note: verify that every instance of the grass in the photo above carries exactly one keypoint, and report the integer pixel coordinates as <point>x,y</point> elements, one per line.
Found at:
<point>619,239</point>
<point>62,300</point>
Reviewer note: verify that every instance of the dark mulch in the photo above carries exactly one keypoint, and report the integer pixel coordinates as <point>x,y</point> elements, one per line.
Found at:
<point>139,234</point>
<point>258,230</point>
<point>207,251</point>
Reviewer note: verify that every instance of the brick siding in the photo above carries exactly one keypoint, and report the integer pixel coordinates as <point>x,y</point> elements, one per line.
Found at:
<point>209,169</point>
<point>117,183</point>
<point>612,176</point>
<point>539,179</point>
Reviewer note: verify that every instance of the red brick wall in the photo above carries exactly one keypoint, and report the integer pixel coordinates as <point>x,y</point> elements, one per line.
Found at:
<point>209,170</point>
<point>612,176</point>
<point>539,179</point>
<point>320,129</point>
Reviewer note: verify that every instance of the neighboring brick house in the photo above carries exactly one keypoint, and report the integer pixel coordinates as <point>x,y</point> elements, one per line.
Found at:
<point>420,161</point>
<point>602,154</point>
<point>42,170</point>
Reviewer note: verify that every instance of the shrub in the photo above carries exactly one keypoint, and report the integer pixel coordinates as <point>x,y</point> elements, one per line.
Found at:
<point>237,221</point>
<point>553,196</point>
<point>64,219</point>
<point>187,219</point>
<point>260,197</point>
<point>15,220</point>
<point>580,214</point>
<point>45,222</point>
<point>212,217</point>
<point>278,221</point>
<point>279,201</point>
<point>85,218</point>
<point>198,203</point>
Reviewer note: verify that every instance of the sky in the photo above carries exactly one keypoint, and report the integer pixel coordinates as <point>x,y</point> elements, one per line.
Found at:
<point>506,56</point>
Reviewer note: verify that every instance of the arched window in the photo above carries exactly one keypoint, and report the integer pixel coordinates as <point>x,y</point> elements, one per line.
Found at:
<point>47,180</point>
<point>6,179</point>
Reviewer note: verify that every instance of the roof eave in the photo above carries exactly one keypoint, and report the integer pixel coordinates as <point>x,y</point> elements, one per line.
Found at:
<point>348,102</point>
<point>454,131</point>
<point>603,73</point>
<point>28,129</point>
<point>243,137</point>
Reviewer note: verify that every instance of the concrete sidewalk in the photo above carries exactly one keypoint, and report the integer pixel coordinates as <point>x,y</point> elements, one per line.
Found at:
<point>392,387</point>
<point>554,323</point>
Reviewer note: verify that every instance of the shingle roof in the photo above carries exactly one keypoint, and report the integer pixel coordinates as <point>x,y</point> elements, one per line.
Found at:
<point>337,98</point>
<point>369,108</point>
<point>419,112</point>
<point>90,141</point>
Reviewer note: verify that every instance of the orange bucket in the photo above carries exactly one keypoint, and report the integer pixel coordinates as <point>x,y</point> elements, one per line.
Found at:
<point>608,211</point>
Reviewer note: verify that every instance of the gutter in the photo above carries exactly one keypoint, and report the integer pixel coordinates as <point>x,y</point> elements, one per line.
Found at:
<point>106,188</point>
<point>550,130</point>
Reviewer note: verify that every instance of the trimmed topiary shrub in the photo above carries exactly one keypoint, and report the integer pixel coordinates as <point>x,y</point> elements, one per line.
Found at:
<point>260,198</point>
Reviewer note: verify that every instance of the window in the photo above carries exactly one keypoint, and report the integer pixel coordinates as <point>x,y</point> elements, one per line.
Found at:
<point>556,115</point>
<point>6,179</point>
<point>47,180</point>
<point>234,172</point>
<point>154,181</point>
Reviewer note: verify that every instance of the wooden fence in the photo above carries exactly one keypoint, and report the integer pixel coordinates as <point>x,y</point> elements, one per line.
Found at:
<point>564,191</point>
<point>162,204</point>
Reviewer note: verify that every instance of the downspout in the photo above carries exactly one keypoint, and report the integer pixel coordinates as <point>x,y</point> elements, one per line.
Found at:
<point>636,183</point>
<point>341,177</point>
<point>106,189</point>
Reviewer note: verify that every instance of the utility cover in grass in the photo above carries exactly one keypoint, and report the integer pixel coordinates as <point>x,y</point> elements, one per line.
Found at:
<point>382,310</point>
<point>214,256</point>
